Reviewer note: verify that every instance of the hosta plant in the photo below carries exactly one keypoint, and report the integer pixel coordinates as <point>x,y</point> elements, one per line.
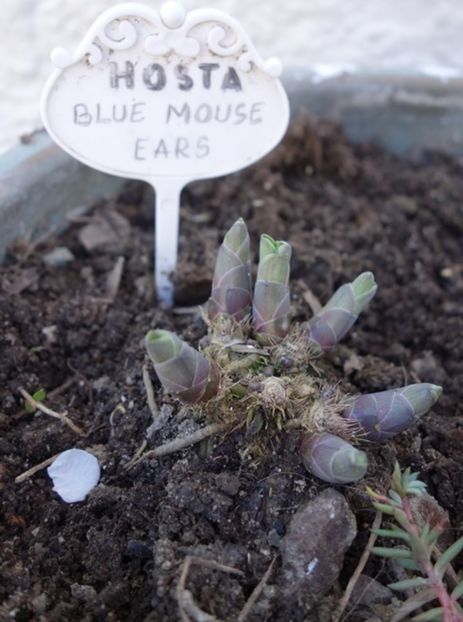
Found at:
<point>415,548</point>
<point>258,373</point>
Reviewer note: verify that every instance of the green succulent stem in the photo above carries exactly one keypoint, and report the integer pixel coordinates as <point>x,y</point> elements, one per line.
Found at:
<point>420,546</point>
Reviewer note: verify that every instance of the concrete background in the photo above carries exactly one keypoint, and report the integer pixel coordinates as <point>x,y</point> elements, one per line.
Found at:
<point>326,36</point>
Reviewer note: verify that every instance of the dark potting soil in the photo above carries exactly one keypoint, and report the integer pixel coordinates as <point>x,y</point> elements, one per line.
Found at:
<point>70,330</point>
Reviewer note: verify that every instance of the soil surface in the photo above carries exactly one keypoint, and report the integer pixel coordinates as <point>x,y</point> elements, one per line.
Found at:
<point>76,332</point>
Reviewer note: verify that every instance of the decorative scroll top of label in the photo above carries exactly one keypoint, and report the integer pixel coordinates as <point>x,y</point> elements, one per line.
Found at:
<point>173,30</point>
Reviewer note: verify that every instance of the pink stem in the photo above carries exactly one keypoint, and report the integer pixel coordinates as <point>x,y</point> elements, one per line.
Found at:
<point>450,613</point>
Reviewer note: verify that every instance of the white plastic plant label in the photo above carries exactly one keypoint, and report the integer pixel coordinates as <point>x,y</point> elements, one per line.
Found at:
<point>167,97</point>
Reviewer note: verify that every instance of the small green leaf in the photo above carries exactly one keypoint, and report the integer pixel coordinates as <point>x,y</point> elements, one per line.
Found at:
<point>396,498</point>
<point>432,615</point>
<point>449,555</point>
<point>433,535</point>
<point>399,534</point>
<point>385,509</point>
<point>38,396</point>
<point>401,517</point>
<point>458,591</point>
<point>425,531</point>
<point>397,477</point>
<point>419,547</point>
<point>408,584</point>
<point>260,363</point>
<point>238,391</point>
<point>408,564</point>
<point>372,493</point>
<point>383,551</point>
<point>416,488</point>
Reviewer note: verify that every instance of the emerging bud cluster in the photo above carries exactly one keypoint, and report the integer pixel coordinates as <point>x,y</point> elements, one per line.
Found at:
<point>194,378</point>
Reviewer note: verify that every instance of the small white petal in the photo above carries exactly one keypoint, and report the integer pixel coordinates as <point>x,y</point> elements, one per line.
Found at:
<point>74,473</point>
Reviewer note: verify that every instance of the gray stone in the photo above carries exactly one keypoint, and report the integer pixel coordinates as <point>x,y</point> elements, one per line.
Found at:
<point>40,603</point>
<point>160,421</point>
<point>58,257</point>
<point>313,549</point>
<point>228,483</point>
<point>108,232</point>
<point>102,383</point>
<point>139,549</point>
<point>368,591</point>
<point>83,593</point>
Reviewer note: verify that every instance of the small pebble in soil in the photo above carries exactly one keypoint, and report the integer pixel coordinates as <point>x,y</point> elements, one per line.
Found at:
<point>368,591</point>
<point>228,483</point>
<point>313,549</point>
<point>83,593</point>
<point>59,257</point>
<point>110,231</point>
<point>139,549</point>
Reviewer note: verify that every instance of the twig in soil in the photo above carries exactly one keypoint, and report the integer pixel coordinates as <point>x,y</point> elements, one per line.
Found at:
<point>310,298</point>
<point>32,471</point>
<point>85,380</point>
<point>154,413</point>
<point>79,219</point>
<point>52,413</point>
<point>118,409</point>
<point>246,610</point>
<point>150,392</point>
<point>58,391</point>
<point>186,310</point>
<point>180,443</point>
<point>360,566</point>
<point>187,607</point>
<point>192,610</point>
<point>137,457</point>
<point>114,279</point>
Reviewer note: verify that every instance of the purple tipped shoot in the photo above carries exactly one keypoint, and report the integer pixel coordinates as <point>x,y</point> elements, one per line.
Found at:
<point>383,415</point>
<point>332,459</point>
<point>334,321</point>
<point>232,287</point>
<point>271,304</point>
<point>182,370</point>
